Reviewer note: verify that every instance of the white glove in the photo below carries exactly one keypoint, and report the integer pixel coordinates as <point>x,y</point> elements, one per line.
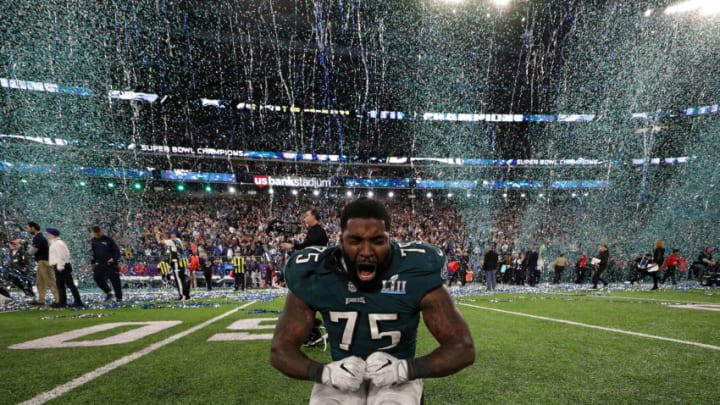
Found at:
<point>384,369</point>
<point>346,374</point>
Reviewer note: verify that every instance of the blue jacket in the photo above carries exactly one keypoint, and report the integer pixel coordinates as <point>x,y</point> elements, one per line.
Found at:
<point>42,247</point>
<point>104,249</point>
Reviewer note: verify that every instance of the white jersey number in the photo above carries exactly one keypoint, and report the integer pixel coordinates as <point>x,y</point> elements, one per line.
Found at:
<point>351,317</point>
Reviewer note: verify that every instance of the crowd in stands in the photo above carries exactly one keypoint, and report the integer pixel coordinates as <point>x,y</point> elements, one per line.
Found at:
<point>223,227</point>
<point>254,227</point>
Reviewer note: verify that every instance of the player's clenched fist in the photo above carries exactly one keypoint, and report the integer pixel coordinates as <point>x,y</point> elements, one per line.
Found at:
<point>346,374</point>
<point>384,369</point>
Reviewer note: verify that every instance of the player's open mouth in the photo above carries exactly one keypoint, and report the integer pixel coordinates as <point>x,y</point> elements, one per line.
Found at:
<point>366,271</point>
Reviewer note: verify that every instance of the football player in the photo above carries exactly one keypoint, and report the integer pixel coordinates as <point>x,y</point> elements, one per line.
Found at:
<point>370,292</point>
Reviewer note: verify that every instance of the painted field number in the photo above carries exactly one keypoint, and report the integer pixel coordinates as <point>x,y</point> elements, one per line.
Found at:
<point>251,324</point>
<point>67,339</point>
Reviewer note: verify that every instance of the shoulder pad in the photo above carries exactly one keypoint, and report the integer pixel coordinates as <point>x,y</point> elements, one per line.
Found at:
<point>432,256</point>
<point>303,263</point>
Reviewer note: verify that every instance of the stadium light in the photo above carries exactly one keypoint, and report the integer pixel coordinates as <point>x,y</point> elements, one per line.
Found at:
<point>370,194</point>
<point>232,190</point>
<point>391,194</point>
<point>348,193</point>
<point>701,6</point>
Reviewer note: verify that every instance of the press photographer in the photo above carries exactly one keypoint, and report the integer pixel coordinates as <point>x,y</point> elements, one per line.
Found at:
<point>316,235</point>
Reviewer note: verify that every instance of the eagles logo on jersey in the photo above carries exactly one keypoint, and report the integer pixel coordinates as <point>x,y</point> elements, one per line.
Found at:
<point>361,321</point>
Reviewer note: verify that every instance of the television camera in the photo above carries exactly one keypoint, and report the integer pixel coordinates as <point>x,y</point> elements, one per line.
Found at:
<point>286,228</point>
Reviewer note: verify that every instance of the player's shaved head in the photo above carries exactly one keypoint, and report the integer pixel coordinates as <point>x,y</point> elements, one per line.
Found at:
<point>365,207</point>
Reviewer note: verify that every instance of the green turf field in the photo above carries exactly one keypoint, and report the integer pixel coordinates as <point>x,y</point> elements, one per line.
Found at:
<point>532,348</point>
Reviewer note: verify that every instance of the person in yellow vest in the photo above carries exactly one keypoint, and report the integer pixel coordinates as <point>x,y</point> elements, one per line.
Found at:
<point>239,271</point>
<point>178,261</point>
<point>164,268</point>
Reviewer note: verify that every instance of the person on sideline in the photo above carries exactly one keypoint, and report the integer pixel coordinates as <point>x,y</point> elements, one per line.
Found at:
<point>600,265</point>
<point>59,260</point>
<point>45,278</point>
<point>316,235</point>
<point>105,257</point>
<point>490,265</point>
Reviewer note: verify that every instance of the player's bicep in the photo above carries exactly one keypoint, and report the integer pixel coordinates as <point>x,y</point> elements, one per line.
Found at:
<point>442,317</point>
<point>295,322</point>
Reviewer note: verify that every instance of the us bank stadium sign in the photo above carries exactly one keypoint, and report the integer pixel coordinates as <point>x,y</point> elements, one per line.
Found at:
<point>289,181</point>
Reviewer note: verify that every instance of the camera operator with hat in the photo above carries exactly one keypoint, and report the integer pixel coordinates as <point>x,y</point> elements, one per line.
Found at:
<point>316,235</point>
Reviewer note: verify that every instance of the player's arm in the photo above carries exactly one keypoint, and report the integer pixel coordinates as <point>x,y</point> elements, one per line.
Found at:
<point>449,328</point>
<point>291,331</point>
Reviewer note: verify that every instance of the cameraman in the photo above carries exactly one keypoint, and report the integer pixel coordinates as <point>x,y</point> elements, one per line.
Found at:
<point>316,235</point>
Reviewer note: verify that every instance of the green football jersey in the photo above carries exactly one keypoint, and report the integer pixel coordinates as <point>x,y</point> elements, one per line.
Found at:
<point>361,322</point>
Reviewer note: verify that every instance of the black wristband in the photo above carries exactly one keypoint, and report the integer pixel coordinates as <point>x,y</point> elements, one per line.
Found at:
<point>315,371</point>
<point>418,368</point>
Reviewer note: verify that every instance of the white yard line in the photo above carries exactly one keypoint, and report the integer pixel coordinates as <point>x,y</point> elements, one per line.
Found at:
<point>64,388</point>
<point>667,300</point>
<point>585,325</point>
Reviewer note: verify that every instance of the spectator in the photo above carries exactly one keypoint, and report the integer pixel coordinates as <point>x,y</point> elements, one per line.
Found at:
<point>702,264</point>
<point>175,249</point>
<point>19,268</point>
<point>520,264</point>
<point>600,262</point>
<point>452,272</point>
<point>45,277</point>
<point>532,258</point>
<point>559,266</point>
<point>316,235</point>
<point>658,259</point>
<point>670,265</point>
<point>490,265</point>
<point>239,272</point>
<point>206,266</point>
<point>193,267</point>
<point>581,268</point>
<point>59,260</point>
<point>105,263</point>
